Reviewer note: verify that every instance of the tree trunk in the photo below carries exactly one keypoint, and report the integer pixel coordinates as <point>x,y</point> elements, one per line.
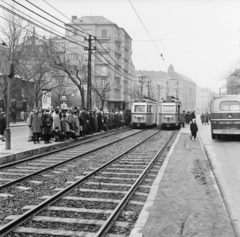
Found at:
<point>82,96</point>
<point>102,102</point>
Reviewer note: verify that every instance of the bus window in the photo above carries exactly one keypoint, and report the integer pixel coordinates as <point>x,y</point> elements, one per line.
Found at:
<point>139,108</point>
<point>168,109</point>
<point>149,109</point>
<point>229,106</point>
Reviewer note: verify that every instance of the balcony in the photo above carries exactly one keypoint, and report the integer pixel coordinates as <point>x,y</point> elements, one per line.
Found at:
<point>102,74</point>
<point>118,40</point>
<point>118,52</point>
<point>117,86</point>
<point>104,38</point>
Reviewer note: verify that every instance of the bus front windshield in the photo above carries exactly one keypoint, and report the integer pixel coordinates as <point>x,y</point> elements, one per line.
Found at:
<point>229,106</point>
<point>139,108</point>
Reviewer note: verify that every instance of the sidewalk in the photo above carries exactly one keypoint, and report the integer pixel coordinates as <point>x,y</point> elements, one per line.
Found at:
<point>184,199</point>
<point>18,124</point>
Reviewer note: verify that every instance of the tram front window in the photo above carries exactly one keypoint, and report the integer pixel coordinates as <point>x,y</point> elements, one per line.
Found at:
<point>139,108</point>
<point>168,109</point>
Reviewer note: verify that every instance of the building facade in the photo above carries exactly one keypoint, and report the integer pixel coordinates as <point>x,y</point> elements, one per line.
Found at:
<point>171,83</point>
<point>111,59</point>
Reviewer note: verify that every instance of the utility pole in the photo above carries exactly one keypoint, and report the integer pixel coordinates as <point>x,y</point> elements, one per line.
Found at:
<point>158,88</point>
<point>89,79</point>
<point>141,79</point>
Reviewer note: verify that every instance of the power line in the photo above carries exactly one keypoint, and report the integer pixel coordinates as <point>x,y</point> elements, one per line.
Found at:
<point>70,31</point>
<point>147,31</point>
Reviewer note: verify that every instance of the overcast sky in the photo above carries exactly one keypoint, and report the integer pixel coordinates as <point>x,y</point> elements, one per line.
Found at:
<point>200,38</point>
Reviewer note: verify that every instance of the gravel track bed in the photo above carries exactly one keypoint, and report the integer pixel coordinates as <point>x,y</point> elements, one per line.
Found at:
<point>113,181</point>
<point>76,193</point>
<point>13,205</point>
<point>63,226</point>
<point>77,215</point>
<point>119,188</point>
<point>86,204</point>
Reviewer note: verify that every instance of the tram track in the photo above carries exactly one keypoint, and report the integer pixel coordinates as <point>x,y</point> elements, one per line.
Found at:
<point>104,191</point>
<point>28,167</point>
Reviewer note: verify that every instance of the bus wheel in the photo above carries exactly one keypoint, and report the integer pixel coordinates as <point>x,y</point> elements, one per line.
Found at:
<point>213,135</point>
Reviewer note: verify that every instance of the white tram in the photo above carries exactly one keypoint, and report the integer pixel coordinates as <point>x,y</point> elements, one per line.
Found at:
<point>144,113</point>
<point>169,113</point>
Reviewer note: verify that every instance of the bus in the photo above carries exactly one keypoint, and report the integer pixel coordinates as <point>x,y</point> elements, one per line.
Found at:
<point>225,115</point>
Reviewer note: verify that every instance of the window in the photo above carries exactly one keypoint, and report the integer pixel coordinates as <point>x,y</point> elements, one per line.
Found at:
<point>104,71</point>
<point>104,82</point>
<point>229,106</point>
<point>168,109</point>
<point>149,109</point>
<point>139,108</point>
<point>75,32</point>
<point>104,33</point>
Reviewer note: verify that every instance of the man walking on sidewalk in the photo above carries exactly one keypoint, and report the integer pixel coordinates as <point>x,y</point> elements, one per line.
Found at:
<point>193,129</point>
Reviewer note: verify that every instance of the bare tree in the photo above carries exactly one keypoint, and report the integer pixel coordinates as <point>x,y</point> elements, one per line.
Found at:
<point>14,33</point>
<point>233,82</point>
<point>71,64</point>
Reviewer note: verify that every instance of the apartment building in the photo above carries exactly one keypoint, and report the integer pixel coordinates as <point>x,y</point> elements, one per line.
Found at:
<point>111,59</point>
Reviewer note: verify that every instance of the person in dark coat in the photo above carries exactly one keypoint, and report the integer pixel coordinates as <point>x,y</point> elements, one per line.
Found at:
<point>193,116</point>
<point>100,121</point>
<point>35,124</point>
<point>14,116</point>
<point>193,129</point>
<point>2,125</point>
<point>183,118</point>
<point>188,117</point>
<point>83,122</point>
<point>47,121</point>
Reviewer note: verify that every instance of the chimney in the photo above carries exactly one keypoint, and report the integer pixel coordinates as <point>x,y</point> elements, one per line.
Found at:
<point>74,18</point>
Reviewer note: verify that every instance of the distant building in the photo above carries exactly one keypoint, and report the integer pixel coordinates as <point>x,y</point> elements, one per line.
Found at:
<point>171,83</point>
<point>203,99</point>
<point>111,61</point>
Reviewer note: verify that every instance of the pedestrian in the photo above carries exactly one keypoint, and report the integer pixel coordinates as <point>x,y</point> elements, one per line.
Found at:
<point>30,133</point>
<point>182,118</point>
<point>206,118</point>
<point>36,124</point>
<point>202,117</point>
<point>193,129</point>
<point>193,116</point>
<point>22,116</point>
<point>47,126</point>
<point>56,126</point>
<point>2,126</point>
<point>14,116</point>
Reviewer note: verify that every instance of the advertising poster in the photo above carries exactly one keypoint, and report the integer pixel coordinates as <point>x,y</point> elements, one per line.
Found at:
<point>46,99</point>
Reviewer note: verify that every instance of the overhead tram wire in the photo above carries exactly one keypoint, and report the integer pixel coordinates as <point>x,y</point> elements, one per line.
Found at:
<point>42,24</point>
<point>82,31</point>
<point>64,28</point>
<point>33,23</point>
<point>146,30</point>
<point>67,49</point>
<point>43,17</point>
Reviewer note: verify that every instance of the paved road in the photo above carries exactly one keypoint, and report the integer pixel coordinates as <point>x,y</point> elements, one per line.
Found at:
<point>224,154</point>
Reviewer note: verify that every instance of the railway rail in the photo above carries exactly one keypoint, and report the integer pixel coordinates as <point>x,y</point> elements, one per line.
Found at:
<point>105,191</point>
<point>31,166</point>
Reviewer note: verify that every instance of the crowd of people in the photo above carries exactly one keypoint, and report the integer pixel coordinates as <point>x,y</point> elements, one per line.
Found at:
<point>67,124</point>
<point>70,124</point>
